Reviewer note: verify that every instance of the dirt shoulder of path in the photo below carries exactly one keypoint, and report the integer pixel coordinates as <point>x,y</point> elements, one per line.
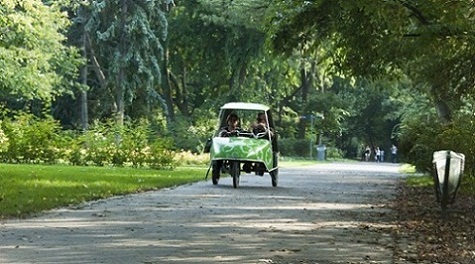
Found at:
<point>424,235</point>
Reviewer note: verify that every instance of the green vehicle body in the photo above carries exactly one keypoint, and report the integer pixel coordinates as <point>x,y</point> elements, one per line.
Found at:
<point>260,152</point>
<point>243,149</point>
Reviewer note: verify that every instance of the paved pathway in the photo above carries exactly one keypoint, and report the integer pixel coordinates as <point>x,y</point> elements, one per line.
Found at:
<point>327,213</point>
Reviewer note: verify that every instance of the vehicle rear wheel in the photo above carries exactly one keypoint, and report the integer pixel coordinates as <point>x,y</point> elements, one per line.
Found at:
<point>235,173</point>
<point>275,177</point>
<point>275,173</point>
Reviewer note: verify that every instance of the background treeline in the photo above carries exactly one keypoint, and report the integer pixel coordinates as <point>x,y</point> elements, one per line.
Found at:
<point>341,73</point>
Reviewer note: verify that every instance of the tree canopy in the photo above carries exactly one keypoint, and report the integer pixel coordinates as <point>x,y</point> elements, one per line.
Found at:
<point>34,61</point>
<point>429,41</point>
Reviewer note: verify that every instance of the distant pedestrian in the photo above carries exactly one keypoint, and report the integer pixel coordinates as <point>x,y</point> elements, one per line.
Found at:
<point>381,158</point>
<point>367,153</point>
<point>377,154</point>
<point>393,153</point>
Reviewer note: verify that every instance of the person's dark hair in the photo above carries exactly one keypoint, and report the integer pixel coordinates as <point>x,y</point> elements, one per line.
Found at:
<point>261,116</point>
<point>232,117</point>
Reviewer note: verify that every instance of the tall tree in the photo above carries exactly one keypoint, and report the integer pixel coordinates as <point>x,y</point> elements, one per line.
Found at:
<point>35,63</point>
<point>125,45</point>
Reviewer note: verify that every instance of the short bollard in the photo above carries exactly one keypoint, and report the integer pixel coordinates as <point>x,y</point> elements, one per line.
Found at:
<point>448,170</point>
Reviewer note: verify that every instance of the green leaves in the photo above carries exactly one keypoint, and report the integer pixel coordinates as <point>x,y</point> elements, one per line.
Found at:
<point>127,42</point>
<point>31,49</point>
<point>429,41</point>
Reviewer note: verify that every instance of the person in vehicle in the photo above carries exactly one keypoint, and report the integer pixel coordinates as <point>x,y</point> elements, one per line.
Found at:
<point>232,128</point>
<point>261,126</point>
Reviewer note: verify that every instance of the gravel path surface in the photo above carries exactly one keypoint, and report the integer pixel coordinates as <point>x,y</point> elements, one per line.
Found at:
<point>326,213</point>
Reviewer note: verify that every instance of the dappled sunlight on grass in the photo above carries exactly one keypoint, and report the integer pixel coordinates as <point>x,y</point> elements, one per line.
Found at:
<point>420,181</point>
<point>26,189</point>
<point>408,168</point>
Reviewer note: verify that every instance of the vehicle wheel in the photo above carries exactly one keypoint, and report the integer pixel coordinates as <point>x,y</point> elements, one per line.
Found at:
<point>260,169</point>
<point>215,173</point>
<point>235,173</point>
<point>215,177</point>
<point>275,177</point>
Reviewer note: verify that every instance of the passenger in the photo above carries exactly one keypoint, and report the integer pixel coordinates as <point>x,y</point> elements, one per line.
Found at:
<point>261,125</point>
<point>232,128</point>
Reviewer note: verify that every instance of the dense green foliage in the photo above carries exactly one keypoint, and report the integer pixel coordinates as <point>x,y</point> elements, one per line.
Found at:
<point>422,137</point>
<point>34,62</point>
<point>126,46</point>
<point>26,138</point>
<point>429,43</point>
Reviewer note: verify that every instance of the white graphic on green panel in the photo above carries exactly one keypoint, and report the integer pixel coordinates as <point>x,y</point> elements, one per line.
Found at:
<point>243,149</point>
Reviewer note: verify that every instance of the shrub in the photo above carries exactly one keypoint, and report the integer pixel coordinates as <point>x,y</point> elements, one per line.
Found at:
<point>334,153</point>
<point>190,158</point>
<point>191,137</point>
<point>292,147</point>
<point>3,143</point>
<point>30,139</point>
<point>160,156</point>
<point>25,138</point>
<point>419,140</point>
<point>76,153</point>
<point>131,144</point>
<point>99,144</point>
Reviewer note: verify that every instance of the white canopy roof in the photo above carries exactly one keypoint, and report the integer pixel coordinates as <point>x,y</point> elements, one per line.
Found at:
<point>245,106</point>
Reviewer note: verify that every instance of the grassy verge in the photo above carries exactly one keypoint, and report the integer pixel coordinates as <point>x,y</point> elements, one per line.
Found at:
<point>28,189</point>
<point>295,162</point>
<point>414,179</point>
<point>426,180</point>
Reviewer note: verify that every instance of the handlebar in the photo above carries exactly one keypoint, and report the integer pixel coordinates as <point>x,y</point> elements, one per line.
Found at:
<point>251,134</point>
<point>244,133</point>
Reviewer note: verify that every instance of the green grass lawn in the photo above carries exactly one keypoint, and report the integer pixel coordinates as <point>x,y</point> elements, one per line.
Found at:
<point>29,189</point>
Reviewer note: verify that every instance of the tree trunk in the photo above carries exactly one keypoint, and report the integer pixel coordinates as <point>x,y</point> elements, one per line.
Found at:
<point>119,98</point>
<point>166,85</point>
<point>305,82</point>
<point>443,110</point>
<point>238,76</point>
<point>120,78</point>
<point>83,102</point>
<point>185,107</point>
<point>233,96</point>
<point>181,95</point>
